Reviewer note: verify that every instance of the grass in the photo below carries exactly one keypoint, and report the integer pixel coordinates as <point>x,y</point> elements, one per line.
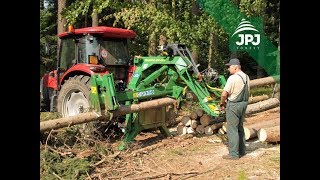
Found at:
<point>257,91</point>
<point>242,175</point>
<point>44,116</point>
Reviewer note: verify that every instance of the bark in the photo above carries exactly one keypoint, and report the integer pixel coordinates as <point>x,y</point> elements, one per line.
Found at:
<point>270,134</point>
<point>264,81</point>
<point>262,106</point>
<point>253,129</point>
<point>69,121</point>
<point>61,22</point>
<point>93,116</point>
<point>95,19</point>
<point>195,54</point>
<point>255,99</point>
<point>152,50</point>
<point>213,49</point>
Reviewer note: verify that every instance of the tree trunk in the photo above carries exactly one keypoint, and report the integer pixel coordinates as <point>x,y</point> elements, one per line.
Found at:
<point>255,99</point>
<point>249,121</point>
<point>195,53</point>
<point>152,50</point>
<point>93,116</point>
<point>213,49</point>
<point>95,19</point>
<point>264,81</point>
<point>262,106</point>
<point>254,128</point>
<point>61,22</point>
<point>270,134</point>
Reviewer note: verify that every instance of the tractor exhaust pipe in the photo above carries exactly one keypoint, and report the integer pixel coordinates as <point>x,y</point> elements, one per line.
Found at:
<point>94,116</point>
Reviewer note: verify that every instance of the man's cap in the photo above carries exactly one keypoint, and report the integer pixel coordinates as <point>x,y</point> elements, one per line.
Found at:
<point>233,61</point>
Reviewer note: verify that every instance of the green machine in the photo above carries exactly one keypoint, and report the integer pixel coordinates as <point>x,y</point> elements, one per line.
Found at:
<point>171,75</point>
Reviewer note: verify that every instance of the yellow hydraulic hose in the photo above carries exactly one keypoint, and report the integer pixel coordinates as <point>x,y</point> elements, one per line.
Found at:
<point>213,88</point>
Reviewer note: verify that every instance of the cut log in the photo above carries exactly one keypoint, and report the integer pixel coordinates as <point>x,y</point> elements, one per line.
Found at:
<point>247,132</point>
<point>193,115</point>
<point>264,81</point>
<point>200,129</point>
<point>270,134</point>
<point>216,126</point>
<point>190,130</point>
<point>194,124</point>
<point>93,116</point>
<point>251,131</point>
<point>262,105</point>
<point>69,121</point>
<point>199,112</point>
<point>258,117</point>
<point>221,131</point>
<point>224,126</point>
<point>186,120</point>
<point>181,129</point>
<point>208,130</point>
<point>255,99</point>
<point>206,120</point>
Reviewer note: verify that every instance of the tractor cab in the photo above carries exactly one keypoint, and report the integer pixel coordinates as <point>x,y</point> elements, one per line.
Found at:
<point>82,53</point>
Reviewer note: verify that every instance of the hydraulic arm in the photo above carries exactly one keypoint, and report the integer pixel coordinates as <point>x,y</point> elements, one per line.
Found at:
<point>169,75</point>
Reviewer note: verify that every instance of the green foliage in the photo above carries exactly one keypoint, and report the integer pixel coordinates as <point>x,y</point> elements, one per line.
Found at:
<point>53,165</point>
<point>48,38</point>
<point>182,22</point>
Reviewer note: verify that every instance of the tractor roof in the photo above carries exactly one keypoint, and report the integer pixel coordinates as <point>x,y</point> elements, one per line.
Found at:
<point>104,31</point>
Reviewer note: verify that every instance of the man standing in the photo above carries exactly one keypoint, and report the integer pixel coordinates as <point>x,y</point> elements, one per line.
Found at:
<point>234,99</point>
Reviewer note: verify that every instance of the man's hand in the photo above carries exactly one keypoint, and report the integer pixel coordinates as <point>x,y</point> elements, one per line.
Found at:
<point>222,106</point>
<point>223,103</point>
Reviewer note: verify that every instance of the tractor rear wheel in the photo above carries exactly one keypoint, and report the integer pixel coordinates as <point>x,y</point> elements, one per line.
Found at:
<point>74,95</point>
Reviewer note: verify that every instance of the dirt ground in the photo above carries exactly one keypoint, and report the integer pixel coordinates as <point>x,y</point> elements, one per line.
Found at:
<point>152,156</point>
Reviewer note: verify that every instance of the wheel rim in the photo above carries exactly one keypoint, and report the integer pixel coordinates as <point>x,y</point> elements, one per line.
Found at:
<point>74,103</point>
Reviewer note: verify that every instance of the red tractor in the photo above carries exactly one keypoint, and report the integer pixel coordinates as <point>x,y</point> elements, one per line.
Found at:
<point>84,52</point>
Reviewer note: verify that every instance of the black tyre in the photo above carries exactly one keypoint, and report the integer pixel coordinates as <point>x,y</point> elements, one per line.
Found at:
<point>74,95</point>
